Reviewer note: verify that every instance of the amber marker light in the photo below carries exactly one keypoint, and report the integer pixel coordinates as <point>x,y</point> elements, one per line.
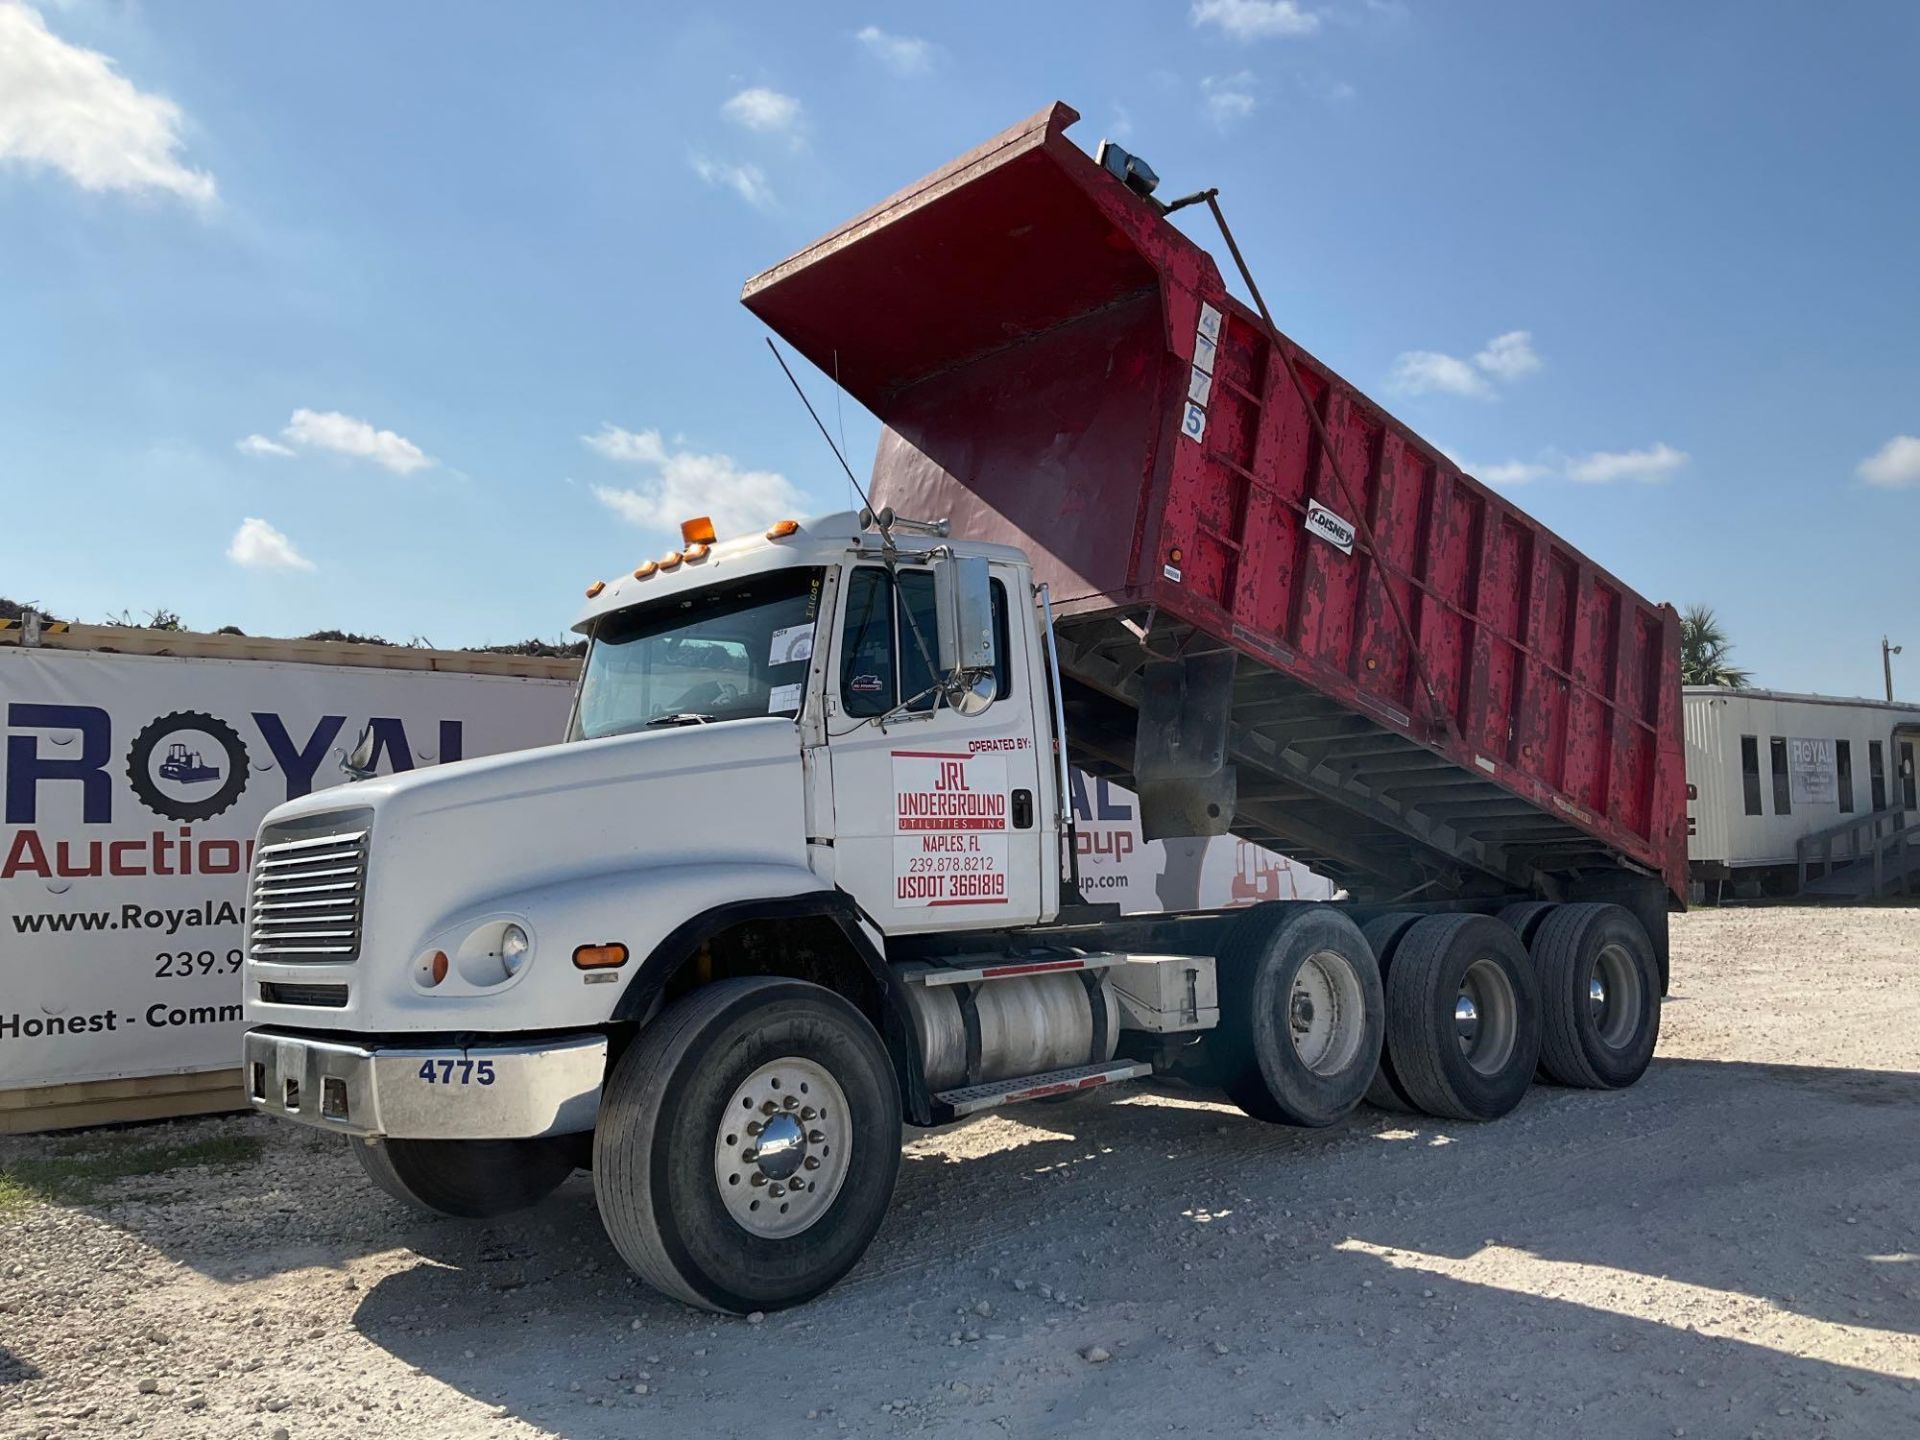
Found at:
<point>437,966</point>
<point>600,957</point>
<point>697,531</point>
<point>595,588</point>
<point>671,560</point>
<point>696,551</point>
<point>780,529</point>
<point>644,569</point>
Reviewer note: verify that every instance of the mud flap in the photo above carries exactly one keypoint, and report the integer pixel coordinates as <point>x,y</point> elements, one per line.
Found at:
<point>1180,768</point>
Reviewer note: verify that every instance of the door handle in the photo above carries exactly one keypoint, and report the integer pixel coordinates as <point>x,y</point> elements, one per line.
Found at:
<point>1023,809</point>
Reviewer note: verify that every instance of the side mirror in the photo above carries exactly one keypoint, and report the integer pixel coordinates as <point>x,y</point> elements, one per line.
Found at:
<point>969,646</point>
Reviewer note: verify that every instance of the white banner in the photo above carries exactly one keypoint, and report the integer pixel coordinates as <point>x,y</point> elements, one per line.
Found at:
<point>1119,867</point>
<point>132,788</point>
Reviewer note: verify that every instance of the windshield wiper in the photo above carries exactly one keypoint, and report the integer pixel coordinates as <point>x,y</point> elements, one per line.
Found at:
<point>680,717</point>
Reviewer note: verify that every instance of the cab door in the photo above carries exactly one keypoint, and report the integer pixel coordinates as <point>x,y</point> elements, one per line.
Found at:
<point>938,817</point>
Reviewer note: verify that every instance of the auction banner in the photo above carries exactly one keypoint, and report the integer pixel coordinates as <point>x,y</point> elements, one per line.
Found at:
<point>133,785</point>
<point>1118,866</point>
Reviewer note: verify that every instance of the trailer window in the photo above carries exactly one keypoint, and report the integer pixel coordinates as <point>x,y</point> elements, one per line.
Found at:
<point>1782,791</point>
<point>882,660</point>
<point>1750,772</point>
<point>1906,776</point>
<point>1877,773</point>
<point>1843,764</point>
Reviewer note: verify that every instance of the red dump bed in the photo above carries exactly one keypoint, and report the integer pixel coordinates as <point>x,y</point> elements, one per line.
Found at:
<point>1059,367</point>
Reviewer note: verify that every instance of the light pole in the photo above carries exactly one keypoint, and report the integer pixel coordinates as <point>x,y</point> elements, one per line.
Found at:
<point>1887,652</point>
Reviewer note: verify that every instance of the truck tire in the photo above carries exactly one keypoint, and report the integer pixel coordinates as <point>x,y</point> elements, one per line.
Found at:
<point>1301,1015</point>
<point>702,1206</point>
<point>1525,917</point>
<point>1463,1017</point>
<point>469,1179</point>
<point>1384,934</point>
<point>1600,996</point>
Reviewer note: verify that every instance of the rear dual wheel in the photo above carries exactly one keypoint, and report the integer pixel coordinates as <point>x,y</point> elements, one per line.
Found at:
<point>1463,1018</point>
<point>1301,1015</point>
<point>1600,996</point>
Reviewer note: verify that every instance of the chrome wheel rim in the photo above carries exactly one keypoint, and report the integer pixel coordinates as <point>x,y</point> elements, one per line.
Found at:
<point>1485,1019</point>
<point>1326,1012</point>
<point>782,1148</point>
<point>1615,996</point>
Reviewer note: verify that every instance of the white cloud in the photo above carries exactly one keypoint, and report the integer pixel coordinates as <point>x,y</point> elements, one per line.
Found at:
<point>260,445</point>
<point>1509,356</point>
<point>749,182</point>
<point>1428,372</point>
<point>1249,20</point>
<point>1604,467</point>
<point>902,54</point>
<point>1229,98</point>
<point>1510,473</point>
<point>256,545</point>
<point>684,483</point>
<point>356,439</point>
<point>1894,466</point>
<point>68,109</point>
<point>763,110</point>
<point>1432,372</point>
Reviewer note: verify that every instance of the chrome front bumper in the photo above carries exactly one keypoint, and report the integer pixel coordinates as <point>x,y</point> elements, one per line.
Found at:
<point>482,1092</point>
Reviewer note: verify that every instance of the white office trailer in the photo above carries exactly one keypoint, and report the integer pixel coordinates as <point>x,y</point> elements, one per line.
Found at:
<point>1789,793</point>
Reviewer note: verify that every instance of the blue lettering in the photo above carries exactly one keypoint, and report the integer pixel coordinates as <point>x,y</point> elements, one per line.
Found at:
<point>27,767</point>
<point>298,765</point>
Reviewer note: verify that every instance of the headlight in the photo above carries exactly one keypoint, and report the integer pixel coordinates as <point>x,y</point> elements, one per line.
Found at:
<point>513,949</point>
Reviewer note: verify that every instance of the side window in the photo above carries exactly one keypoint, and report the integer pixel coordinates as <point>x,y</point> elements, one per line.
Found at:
<point>1843,763</point>
<point>1003,643</point>
<point>1907,777</point>
<point>1782,790</point>
<point>1750,772</point>
<point>1877,773</point>
<point>884,662</point>
<point>866,644</point>
<point>919,631</point>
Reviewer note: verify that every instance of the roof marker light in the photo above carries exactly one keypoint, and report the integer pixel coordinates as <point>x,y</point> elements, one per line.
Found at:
<point>780,529</point>
<point>696,551</point>
<point>697,531</point>
<point>644,569</point>
<point>671,560</point>
<point>595,588</point>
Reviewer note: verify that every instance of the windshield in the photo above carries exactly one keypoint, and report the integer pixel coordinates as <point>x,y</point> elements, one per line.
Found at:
<point>731,651</point>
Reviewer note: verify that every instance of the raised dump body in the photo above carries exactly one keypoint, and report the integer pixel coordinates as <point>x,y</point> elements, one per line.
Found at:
<point>1060,368</point>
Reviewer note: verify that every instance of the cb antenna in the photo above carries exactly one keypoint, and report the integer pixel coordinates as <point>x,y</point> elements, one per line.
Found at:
<point>883,517</point>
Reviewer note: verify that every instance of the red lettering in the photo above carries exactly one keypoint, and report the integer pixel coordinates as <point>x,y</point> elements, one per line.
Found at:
<point>25,856</point>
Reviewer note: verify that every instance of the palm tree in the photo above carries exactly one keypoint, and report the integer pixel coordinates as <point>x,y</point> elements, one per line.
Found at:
<point>1704,648</point>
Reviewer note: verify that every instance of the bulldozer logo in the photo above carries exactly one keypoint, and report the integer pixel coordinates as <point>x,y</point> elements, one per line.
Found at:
<point>195,751</point>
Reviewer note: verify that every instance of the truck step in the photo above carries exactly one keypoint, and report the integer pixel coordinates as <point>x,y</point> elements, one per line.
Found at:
<point>1011,969</point>
<point>973,1098</point>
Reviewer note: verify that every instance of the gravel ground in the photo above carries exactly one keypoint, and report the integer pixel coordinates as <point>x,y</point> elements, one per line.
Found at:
<point>1732,1248</point>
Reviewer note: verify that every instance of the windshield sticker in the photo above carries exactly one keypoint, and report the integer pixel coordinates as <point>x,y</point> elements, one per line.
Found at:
<point>791,644</point>
<point>783,697</point>
<point>866,685</point>
<point>950,824</point>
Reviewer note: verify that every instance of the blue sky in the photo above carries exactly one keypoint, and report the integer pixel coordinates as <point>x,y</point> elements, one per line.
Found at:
<point>468,277</point>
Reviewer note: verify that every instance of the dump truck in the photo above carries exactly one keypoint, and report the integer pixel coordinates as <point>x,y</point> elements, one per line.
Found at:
<point>804,868</point>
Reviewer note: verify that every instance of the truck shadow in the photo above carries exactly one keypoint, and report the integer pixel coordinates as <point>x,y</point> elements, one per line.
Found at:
<point>1664,1258</point>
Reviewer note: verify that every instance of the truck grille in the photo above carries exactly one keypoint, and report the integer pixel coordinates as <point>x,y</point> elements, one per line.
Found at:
<point>333,997</point>
<point>309,885</point>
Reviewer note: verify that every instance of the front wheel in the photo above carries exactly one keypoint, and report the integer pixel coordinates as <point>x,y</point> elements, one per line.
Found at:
<point>748,1144</point>
<point>469,1179</point>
